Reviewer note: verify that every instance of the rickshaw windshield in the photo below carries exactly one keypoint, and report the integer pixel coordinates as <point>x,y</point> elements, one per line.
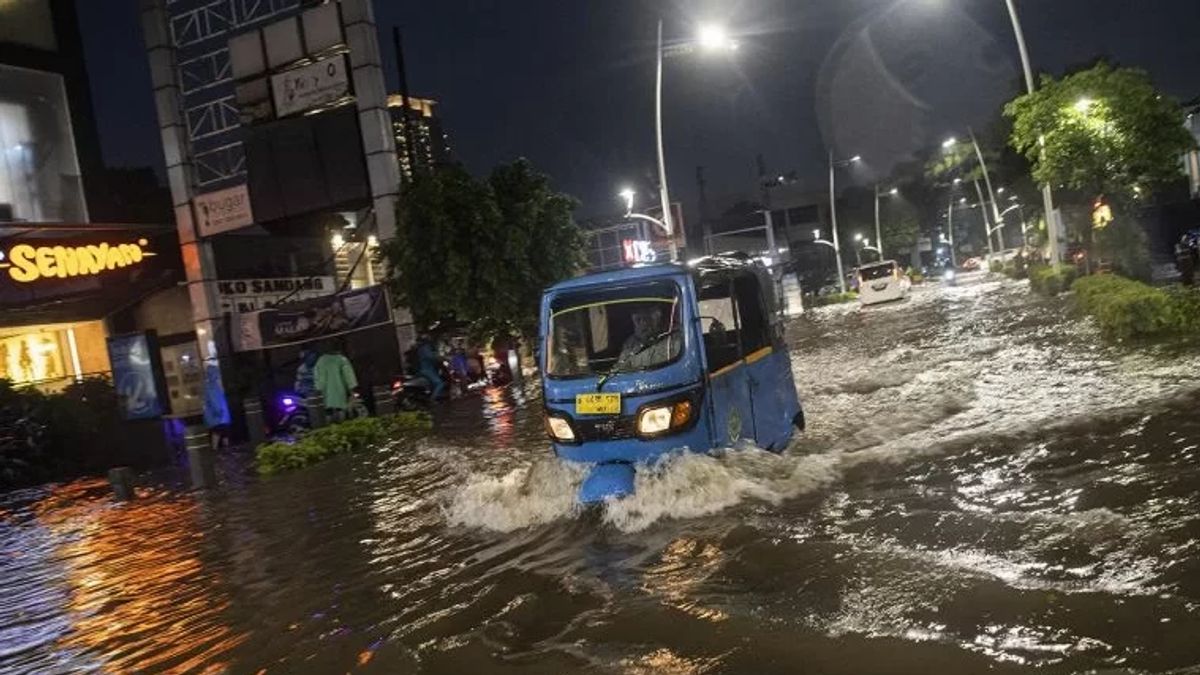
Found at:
<point>627,329</point>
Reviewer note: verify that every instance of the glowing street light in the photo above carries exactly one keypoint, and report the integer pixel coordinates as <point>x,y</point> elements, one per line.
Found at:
<point>958,181</point>
<point>1083,104</point>
<point>949,143</point>
<point>715,37</point>
<point>894,191</point>
<point>627,195</point>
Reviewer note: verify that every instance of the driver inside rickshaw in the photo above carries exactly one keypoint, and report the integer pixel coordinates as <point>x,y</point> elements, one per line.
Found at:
<point>652,343</point>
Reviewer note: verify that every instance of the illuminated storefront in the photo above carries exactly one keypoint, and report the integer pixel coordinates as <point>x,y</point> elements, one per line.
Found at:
<point>64,291</point>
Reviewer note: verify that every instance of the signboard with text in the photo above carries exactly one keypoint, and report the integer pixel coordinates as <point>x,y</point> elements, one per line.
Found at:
<point>307,87</point>
<point>315,319</point>
<point>249,295</point>
<point>223,210</point>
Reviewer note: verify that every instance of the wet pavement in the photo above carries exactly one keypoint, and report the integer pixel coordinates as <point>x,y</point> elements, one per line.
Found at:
<point>984,486</point>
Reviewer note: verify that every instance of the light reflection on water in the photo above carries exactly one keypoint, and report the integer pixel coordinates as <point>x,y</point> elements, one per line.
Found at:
<point>982,488</point>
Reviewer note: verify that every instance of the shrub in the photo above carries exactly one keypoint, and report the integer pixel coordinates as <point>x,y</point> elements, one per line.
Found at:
<point>995,266</point>
<point>1051,280</point>
<point>344,437</point>
<point>47,437</point>
<point>834,299</point>
<point>1125,308</point>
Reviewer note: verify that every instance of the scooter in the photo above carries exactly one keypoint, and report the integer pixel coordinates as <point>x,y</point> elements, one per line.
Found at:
<point>290,415</point>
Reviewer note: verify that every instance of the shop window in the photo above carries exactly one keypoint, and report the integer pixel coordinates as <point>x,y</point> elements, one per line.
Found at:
<point>51,357</point>
<point>184,375</point>
<point>39,172</point>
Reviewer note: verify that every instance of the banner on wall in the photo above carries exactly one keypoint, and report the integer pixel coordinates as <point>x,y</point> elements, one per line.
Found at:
<point>138,376</point>
<point>313,319</point>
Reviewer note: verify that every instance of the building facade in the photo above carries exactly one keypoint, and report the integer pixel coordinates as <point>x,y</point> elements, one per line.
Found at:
<point>68,283</point>
<point>421,143</point>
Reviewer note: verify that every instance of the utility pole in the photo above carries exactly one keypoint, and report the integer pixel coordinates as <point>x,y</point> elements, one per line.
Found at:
<point>987,228</point>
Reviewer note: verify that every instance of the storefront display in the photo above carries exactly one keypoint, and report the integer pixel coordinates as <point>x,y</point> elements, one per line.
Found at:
<point>52,356</point>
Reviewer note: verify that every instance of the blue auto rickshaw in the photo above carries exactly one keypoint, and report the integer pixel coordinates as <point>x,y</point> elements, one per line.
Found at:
<point>645,361</point>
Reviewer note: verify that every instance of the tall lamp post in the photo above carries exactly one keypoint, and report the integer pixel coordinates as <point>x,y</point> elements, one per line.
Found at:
<point>710,38</point>
<point>833,164</point>
<point>879,235</point>
<point>1047,195</point>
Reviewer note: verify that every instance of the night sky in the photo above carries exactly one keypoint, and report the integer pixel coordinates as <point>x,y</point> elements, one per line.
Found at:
<point>570,84</point>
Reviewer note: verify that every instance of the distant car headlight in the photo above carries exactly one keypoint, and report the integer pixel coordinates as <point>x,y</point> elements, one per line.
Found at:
<point>559,429</point>
<point>948,275</point>
<point>657,420</point>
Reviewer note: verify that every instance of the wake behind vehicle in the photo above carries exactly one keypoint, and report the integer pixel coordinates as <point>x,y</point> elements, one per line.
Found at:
<point>642,362</point>
<point>882,282</point>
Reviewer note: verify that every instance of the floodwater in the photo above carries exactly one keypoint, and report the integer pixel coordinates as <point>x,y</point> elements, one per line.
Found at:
<point>984,487</point>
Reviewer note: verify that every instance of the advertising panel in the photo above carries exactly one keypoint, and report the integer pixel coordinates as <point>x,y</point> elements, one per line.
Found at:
<point>307,87</point>
<point>138,376</point>
<point>314,319</point>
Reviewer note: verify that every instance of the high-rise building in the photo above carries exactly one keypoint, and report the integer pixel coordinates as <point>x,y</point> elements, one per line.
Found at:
<point>430,146</point>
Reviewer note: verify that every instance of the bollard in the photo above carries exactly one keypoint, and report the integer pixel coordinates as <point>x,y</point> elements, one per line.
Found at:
<point>315,405</point>
<point>384,405</point>
<point>201,461</point>
<point>255,425</point>
<point>121,479</point>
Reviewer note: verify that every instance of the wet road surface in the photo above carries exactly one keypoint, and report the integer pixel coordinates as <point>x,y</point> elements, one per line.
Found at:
<point>984,487</point>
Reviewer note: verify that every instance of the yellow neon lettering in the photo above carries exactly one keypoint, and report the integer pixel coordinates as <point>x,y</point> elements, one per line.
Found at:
<point>24,269</point>
<point>67,260</point>
<point>29,263</point>
<point>45,261</point>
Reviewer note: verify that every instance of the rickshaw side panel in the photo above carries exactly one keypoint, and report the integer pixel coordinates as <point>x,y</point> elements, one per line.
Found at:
<point>775,401</point>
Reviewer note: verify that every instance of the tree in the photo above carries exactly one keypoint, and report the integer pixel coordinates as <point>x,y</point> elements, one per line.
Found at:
<point>1103,133</point>
<point>1107,131</point>
<point>481,252</point>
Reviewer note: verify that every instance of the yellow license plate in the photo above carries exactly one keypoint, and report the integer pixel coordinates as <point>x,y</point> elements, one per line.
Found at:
<point>598,404</point>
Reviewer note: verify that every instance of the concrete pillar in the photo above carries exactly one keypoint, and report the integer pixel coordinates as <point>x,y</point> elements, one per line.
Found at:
<point>201,458</point>
<point>256,429</point>
<point>198,264</point>
<point>121,479</point>
<point>370,93</point>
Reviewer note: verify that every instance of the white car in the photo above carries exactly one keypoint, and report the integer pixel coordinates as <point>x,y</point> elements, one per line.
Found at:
<point>882,282</point>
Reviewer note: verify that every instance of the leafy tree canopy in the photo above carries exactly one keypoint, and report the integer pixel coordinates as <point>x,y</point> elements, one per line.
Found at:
<point>1106,130</point>
<point>481,251</point>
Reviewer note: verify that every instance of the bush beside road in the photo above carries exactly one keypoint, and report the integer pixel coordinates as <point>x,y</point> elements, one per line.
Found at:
<point>1126,309</point>
<point>353,435</point>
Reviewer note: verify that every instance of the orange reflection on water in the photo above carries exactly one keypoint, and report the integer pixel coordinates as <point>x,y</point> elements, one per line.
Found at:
<point>500,413</point>
<point>685,566</point>
<point>140,597</point>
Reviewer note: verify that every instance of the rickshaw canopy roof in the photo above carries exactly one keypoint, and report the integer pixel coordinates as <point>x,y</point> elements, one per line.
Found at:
<point>708,266</point>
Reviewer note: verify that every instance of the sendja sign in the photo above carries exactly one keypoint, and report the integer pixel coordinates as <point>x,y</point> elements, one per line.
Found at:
<point>27,264</point>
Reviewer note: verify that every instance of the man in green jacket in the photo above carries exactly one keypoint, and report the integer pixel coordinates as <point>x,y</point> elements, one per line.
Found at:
<point>333,376</point>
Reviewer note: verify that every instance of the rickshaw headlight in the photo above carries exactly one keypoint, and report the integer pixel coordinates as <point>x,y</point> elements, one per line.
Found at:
<point>663,418</point>
<point>654,420</point>
<point>559,429</point>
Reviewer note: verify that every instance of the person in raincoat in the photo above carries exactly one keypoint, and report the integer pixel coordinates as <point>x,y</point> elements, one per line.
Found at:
<point>333,376</point>
<point>305,382</point>
<point>427,366</point>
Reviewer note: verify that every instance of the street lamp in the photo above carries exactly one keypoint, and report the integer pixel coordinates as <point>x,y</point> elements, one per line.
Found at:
<point>1083,104</point>
<point>711,37</point>
<point>1047,195</point>
<point>878,234</point>
<point>833,164</point>
<point>949,142</point>
<point>987,179</point>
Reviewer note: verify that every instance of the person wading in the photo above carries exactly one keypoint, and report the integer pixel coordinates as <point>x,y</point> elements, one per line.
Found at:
<point>333,376</point>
